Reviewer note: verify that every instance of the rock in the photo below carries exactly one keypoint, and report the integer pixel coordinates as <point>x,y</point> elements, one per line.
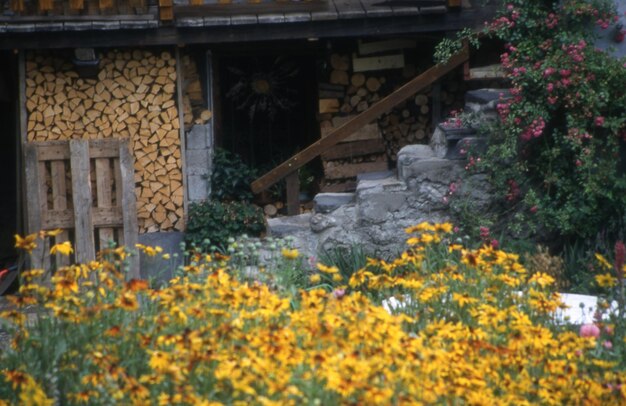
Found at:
<point>283,226</point>
<point>439,143</point>
<point>486,96</point>
<point>327,202</point>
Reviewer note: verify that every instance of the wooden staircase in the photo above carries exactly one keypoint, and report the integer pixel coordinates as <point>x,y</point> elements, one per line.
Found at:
<point>288,170</point>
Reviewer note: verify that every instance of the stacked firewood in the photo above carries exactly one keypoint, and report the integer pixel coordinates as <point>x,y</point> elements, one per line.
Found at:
<point>194,104</point>
<point>133,95</point>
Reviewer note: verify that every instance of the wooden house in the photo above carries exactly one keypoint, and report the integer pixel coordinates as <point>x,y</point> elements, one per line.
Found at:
<point>109,109</point>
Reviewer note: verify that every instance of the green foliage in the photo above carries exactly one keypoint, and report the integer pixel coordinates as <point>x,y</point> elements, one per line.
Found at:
<point>217,221</point>
<point>231,177</point>
<point>347,259</point>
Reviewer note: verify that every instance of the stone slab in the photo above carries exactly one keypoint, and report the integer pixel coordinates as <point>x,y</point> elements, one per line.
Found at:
<point>198,161</point>
<point>327,202</point>
<point>197,188</point>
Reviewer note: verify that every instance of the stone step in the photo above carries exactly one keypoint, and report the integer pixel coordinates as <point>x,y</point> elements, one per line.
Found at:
<point>289,225</point>
<point>327,202</point>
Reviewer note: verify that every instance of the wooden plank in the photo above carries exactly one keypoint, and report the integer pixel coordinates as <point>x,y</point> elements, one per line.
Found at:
<point>45,5</point>
<point>104,148</point>
<point>117,174</point>
<point>33,202</point>
<point>53,151</point>
<point>377,62</point>
<point>376,47</point>
<point>405,10</point>
<point>375,8</point>
<point>81,195</point>
<point>77,4</point>
<point>349,9</point>
<point>59,202</point>
<point>129,206</point>
<point>53,219</point>
<point>79,18</point>
<point>342,171</point>
<point>104,197</point>
<point>382,106</point>
<point>59,150</point>
<point>352,149</point>
<point>293,194</point>
<point>181,131</point>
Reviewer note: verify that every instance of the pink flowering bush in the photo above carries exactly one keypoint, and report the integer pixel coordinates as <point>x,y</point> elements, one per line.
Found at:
<point>557,155</point>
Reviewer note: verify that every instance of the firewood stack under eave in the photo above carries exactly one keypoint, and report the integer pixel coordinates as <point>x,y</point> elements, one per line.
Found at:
<point>134,97</point>
<point>194,104</point>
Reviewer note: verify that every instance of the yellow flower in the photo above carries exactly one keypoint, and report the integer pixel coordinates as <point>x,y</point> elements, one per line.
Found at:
<point>606,280</point>
<point>65,248</point>
<point>337,277</point>
<point>315,278</point>
<point>27,243</point>
<point>54,233</point>
<point>290,254</point>
<point>127,301</point>
<point>327,269</point>
<point>542,279</point>
<point>603,261</point>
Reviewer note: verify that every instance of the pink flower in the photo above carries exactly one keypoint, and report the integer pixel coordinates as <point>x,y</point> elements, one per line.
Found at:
<point>339,293</point>
<point>484,233</point>
<point>533,209</point>
<point>495,244</point>
<point>607,344</point>
<point>589,330</point>
<point>548,72</point>
<point>599,121</point>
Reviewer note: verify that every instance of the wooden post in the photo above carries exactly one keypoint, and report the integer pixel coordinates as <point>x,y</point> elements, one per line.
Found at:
<point>33,202</point>
<point>81,194</point>
<point>59,202</point>
<point>129,205</point>
<point>293,193</point>
<point>183,144</point>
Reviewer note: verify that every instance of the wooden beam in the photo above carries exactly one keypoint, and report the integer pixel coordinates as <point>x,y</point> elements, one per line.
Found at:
<point>129,205</point>
<point>293,194</point>
<point>81,195</point>
<point>33,202</point>
<point>382,106</point>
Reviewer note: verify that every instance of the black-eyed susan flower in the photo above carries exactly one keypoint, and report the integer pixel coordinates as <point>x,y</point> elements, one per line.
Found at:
<point>64,248</point>
<point>27,243</point>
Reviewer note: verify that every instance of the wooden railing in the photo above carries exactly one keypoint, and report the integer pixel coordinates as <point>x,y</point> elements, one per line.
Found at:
<point>289,169</point>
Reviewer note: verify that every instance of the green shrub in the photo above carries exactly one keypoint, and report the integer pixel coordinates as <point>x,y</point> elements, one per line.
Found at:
<point>231,177</point>
<point>217,221</point>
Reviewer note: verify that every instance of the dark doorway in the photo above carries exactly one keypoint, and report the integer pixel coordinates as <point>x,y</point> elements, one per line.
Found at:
<point>8,155</point>
<point>268,106</point>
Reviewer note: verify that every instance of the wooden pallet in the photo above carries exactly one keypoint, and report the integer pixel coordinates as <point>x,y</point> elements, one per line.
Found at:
<point>59,194</point>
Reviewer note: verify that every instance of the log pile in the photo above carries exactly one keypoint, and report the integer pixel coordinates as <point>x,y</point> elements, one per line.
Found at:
<point>194,103</point>
<point>132,96</point>
<point>353,82</point>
